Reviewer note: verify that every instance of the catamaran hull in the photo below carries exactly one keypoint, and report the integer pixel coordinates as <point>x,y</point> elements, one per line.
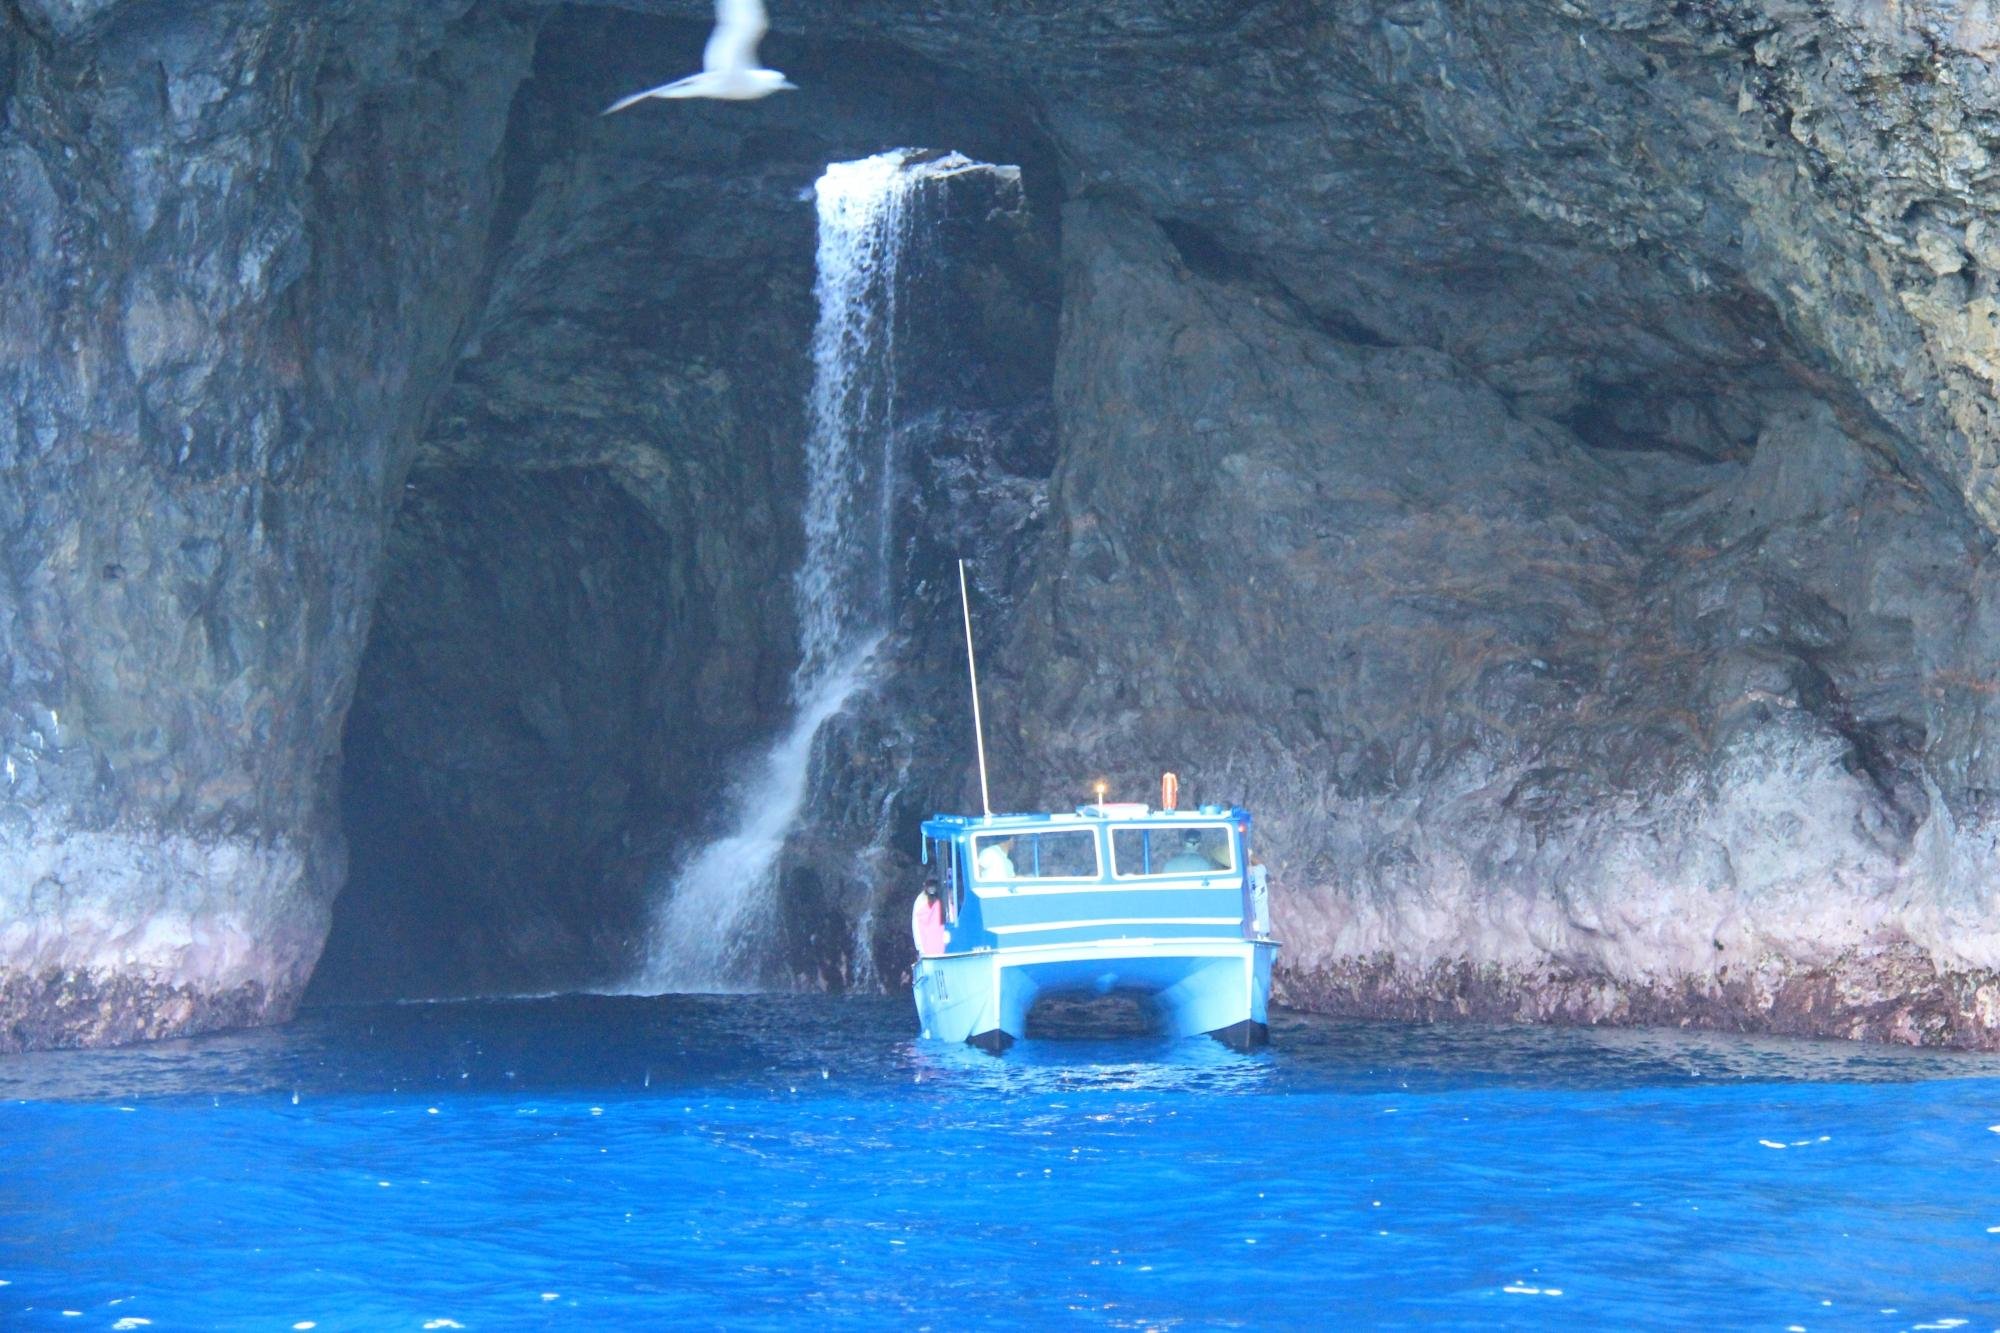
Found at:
<point>1217,987</point>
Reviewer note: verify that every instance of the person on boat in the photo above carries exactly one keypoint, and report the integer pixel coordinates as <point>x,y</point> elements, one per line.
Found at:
<point>996,859</point>
<point>927,922</point>
<point>1189,857</point>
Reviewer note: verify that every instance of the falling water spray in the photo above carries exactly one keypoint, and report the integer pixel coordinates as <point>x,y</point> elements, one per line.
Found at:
<point>708,935</point>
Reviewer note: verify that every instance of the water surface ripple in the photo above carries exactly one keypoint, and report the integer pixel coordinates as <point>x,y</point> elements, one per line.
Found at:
<point>778,1161</point>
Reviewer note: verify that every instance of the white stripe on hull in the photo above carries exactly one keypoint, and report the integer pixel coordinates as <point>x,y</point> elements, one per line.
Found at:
<point>1038,927</point>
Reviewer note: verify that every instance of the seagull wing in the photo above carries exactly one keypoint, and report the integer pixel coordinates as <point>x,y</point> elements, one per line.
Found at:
<point>624,102</point>
<point>739,26</point>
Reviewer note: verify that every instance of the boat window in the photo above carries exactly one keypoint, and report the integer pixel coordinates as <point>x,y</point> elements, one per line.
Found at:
<point>943,856</point>
<point>1067,854</point>
<point>1172,849</point>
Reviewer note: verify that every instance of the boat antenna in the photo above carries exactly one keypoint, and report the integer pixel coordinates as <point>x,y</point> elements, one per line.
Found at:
<point>972,668</point>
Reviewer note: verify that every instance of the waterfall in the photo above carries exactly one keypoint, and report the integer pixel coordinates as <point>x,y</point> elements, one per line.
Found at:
<point>706,937</point>
<point>842,585</point>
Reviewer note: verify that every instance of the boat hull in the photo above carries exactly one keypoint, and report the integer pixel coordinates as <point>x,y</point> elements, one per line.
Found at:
<point>1216,987</point>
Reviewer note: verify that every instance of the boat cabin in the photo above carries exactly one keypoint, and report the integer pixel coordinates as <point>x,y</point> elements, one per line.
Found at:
<point>1107,872</point>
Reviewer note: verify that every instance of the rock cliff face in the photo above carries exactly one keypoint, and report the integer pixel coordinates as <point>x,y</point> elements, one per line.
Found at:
<point>1540,455</point>
<point>238,244</point>
<point>1541,728</point>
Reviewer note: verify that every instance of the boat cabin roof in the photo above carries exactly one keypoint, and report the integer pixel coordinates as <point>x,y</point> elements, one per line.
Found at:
<point>1086,816</point>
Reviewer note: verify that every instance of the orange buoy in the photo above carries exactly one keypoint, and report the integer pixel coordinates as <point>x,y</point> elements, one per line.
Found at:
<point>1170,791</point>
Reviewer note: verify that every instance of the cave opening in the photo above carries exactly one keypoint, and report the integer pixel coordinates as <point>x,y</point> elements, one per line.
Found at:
<point>587,648</point>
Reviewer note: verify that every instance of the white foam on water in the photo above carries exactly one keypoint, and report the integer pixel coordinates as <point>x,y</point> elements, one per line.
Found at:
<point>131,1321</point>
<point>1771,1143</point>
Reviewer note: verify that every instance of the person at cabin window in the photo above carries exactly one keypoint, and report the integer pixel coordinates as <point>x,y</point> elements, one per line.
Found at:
<point>996,859</point>
<point>1189,857</point>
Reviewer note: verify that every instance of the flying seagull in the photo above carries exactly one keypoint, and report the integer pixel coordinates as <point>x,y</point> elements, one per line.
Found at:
<point>729,67</point>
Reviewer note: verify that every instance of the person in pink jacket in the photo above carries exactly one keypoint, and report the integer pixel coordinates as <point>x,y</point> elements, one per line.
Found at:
<point>927,923</point>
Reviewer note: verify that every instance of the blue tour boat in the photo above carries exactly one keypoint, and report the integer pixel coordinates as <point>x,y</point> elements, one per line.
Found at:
<point>1116,898</point>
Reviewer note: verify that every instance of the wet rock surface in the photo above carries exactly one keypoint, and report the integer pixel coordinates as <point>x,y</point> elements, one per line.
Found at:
<point>1541,456</point>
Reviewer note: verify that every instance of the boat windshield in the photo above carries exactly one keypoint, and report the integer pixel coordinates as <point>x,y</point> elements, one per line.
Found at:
<point>1172,849</point>
<point>1066,854</point>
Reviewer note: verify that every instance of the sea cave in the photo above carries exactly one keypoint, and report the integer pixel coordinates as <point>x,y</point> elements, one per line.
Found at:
<point>1539,456</point>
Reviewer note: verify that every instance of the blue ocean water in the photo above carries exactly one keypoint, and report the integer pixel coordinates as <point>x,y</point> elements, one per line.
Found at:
<point>802,1161</point>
